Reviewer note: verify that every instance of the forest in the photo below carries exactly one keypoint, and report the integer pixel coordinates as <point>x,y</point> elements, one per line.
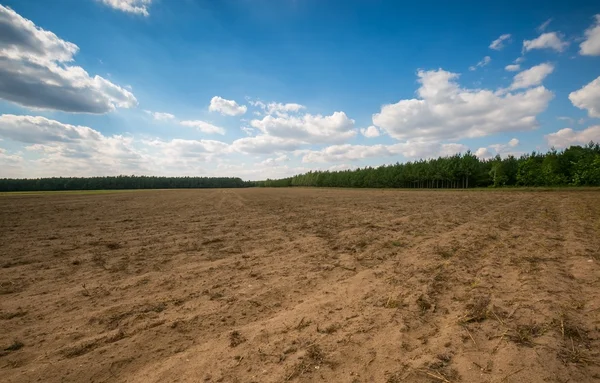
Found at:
<point>574,166</point>
<point>119,182</point>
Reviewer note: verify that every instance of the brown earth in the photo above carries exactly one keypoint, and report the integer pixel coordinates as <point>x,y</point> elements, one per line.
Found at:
<point>300,285</point>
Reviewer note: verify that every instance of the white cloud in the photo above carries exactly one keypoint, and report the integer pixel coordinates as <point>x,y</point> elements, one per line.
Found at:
<point>567,137</point>
<point>203,126</point>
<point>498,44</point>
<point>498,149</point>
<point>275,160</point>
<point>247,130</point>
<point>264,144</point>
<point>308,128</point>
<point>161,116</point>
<point>71,150</point>
<point>347,152</point>
<point>226,107</point>
<point>35,71</point>
<point>341,167</point>
<point>486,60</point>
<point>513,67</point>
<point>549,40</point>
<point>588,98</point>
<point>370,132</point>
<point>130,6</point>
<point>277,108</point>
<point>591,45</point>
<point>447,111</point>
<point>483,153</point>
<point>532,76</point>
<point>544,25</point>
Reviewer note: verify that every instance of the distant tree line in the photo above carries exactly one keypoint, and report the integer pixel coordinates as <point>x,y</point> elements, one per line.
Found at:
<point>575,166</point>
<point>119,182</point>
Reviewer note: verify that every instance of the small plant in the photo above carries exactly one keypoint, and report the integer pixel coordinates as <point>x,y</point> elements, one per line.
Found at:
<point>235,339</point>
<point>477,309</point>
<point>525,334</point>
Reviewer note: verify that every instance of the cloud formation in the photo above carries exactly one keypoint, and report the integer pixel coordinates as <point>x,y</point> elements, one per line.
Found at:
<point>498,44</point>
<point>485,61</point>
<point>347,152</point>
<point>567,137</point>
<point>139,7</point>
<point>203,126</point>
<point>444,110</point>
<point>549,40</point>
<point>36,71</point>
<point>532,76</point>
<point>370,132</point>
<point>588,98</point>
<point>591,45</point>
<point>226,107</point>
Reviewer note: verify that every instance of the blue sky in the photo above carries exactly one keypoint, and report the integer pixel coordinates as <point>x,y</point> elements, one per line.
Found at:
<point>266,88</point>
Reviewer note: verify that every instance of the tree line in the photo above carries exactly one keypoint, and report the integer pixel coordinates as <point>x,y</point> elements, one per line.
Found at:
<point>575,166</point>
<point>119,182</point>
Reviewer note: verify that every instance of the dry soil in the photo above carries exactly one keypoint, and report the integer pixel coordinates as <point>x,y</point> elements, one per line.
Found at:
<point>300,285</point>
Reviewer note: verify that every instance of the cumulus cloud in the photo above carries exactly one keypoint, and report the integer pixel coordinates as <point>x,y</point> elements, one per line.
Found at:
<point>444,110</point>
<point>549,40</point>
<point>498,44</point>
<point>591,45</point>
<point>203,126</point>
<point>370,132</point>
<point>226,107</point>
<point>513,67</point>
<point>567,137</point>
<point>532,76</point>
<point>498,149</point>
<point>347,152</point>
<point>70,149</point>
<point>485,61</point>
<point>36,71</point>
<point>139,7</point>
<point>483,153</point>
<point>308,128</point>
<point>588,98</point>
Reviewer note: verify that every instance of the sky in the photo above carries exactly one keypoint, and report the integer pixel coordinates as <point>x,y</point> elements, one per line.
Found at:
<point>271,88</point>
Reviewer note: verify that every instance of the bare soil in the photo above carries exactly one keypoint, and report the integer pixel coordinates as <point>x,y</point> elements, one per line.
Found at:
<point>300,285</point>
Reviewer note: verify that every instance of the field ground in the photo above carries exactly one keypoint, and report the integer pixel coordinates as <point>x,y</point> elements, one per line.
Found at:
<point>300,285</point>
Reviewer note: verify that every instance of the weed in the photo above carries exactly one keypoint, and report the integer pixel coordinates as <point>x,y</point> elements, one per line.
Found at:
<point>312,360</point>
<point>571,353</point>
<point>302,324</point>
<point>477,309</point>
<point>423,303</point>
<point>329,329</point>
<point>235,339</point>
<point>525,334</point>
